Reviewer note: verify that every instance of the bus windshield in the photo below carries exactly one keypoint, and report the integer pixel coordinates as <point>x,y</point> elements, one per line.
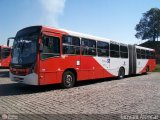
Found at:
<point>24,50</point>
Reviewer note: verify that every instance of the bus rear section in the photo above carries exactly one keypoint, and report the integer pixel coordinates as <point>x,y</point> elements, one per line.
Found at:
<point>146,61</point>
<point>141,60</point>
<point>5,56</point>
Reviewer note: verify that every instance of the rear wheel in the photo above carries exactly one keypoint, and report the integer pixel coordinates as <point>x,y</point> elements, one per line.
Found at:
<point>121,73</point>
<point>68,79</point>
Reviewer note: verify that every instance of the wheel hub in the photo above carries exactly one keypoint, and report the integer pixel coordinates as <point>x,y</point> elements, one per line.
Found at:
<point>68,79</point>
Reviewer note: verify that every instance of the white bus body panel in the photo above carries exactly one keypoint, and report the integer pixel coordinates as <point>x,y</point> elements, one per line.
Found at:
<point>112,65</point>
<point>31,79</point>
<point>141,63</point>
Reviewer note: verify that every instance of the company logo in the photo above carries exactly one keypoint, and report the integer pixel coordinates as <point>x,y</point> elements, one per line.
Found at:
<point>108,60</point>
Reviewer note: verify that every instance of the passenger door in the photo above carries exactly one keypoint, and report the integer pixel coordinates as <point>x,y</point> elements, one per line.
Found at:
<point>88,63</point>
<point>50,59</point>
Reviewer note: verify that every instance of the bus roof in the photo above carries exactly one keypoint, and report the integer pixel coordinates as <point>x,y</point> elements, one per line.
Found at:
<point>72,33</point>
<point>76,34</point>
<point>81,35</point>
<point>144,48</point>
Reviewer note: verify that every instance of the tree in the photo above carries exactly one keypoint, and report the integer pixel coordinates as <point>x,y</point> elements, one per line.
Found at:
<point>149,25</point>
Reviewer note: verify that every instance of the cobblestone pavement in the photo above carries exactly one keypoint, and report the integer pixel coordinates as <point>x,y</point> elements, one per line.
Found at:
<point>89,99</point>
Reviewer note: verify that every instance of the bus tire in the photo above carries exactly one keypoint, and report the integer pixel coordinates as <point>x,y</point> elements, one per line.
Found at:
<point>121,73</point>
<point>68,79</point>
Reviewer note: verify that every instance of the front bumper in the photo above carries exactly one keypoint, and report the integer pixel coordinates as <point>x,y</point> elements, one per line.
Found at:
<point>31,79</point>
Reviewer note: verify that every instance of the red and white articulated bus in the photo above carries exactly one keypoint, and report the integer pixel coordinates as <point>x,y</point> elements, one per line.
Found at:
<point>5,56</point>
<point>43,55</point>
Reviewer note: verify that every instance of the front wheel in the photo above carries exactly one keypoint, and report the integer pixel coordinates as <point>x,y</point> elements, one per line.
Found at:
<point>121,73</point>
<point>68,79</point>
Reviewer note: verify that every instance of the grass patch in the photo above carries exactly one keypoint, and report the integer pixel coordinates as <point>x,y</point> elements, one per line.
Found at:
<point>157,69</point>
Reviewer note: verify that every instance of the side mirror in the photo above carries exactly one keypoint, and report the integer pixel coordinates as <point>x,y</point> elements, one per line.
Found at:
<point>11,52</point>
<point>8,41</point>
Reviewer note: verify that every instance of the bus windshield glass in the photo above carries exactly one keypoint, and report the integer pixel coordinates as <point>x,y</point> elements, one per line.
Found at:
<point>24,50</point>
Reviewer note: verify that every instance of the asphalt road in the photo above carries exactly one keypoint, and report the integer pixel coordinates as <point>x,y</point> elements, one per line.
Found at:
<point>99,99</point>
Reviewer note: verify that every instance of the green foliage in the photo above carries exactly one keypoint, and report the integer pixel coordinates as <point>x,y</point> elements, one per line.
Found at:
<point>149,25</point>
<point>157,69</point>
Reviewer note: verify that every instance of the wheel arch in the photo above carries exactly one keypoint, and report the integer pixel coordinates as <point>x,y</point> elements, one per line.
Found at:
<point>119,73</point>
<point>122,68</point>
<point>72,70</point>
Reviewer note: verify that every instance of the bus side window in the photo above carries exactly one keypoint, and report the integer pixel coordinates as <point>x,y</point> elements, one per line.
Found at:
<point>152,55</point>
<point>102,49</point>
<point>123,51</point>
<point>88,47</point>
<point>143,54</point>
<point>114,50</point>
<point>51,47</point>
<point>138,53</point>
<point>71,45</point>
<point>147,54</point>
